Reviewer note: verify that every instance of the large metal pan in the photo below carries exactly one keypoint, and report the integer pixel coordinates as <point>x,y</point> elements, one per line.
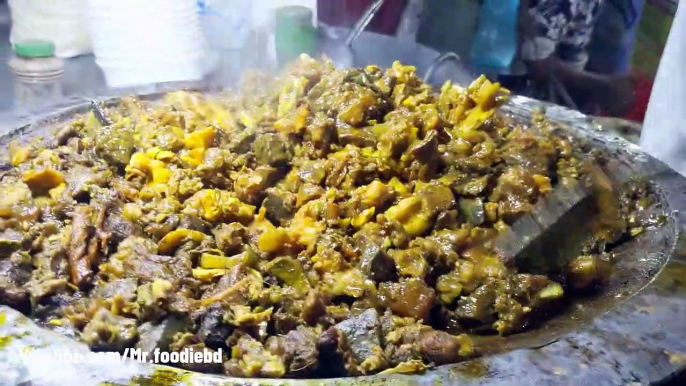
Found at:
<point>634,332</point>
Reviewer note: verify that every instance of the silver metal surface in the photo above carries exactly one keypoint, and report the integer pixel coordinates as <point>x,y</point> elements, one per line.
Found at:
<point>364,21</point>
<point>534,241</point>
<point>631,332</point>
<point>447,56</point>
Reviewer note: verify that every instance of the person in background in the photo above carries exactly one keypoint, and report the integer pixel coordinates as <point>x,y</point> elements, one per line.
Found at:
<point>612,46</point>
<point>614,36</point>
<point>557,34</point>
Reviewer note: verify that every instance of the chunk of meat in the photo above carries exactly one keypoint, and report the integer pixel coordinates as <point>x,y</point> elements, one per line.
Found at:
<point>213,329</point>
<point>290,272</point>
<point>472,210</point>
<point>447,220</point>
<point>65,133</point>
<point>242,142</point>
<point>416,213</point>
<point>410,298</point>
<point>401,337</point>
<point>301,353</point>
<point>122,287</point>
<point>83,246</point>
<point>238,286</point>
<point>117,227</point>
<point>12,277</point>
<point>249,359</point>
<point>374,261</point>
<point>186,342</point>
<point>284,322</point>
<point>81,179</point>
<point>529,152</point>
<point>335,355</point>
<point>279,205</point>
<point>250,185</point>
<point>314,307</point>
<point>351,282</point>
<point>194,223</point>
<point>230,237</point>
<point>441,348</point>
<point>586,271</point>
<point>479,305</point>
<point>411,262</point>
<point>109,332</point>
<point>115,144</point>
<point>135,258</point>
<point>511,315</point>
<point>363,334</point>
<point>358,137</point>
<point>153,300</point>
<point>10,241</point>
<point>307,193</point>
<point>15,194</point>
<point>125,190</point>
<point>43,284</point>
<point>515,193</point>
<point>426,150</point>
<point>436,198</point>
<point>272,149</point>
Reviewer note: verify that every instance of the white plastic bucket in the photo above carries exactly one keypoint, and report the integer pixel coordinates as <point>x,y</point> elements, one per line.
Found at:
<point>144,42</point>
<point>148,61</point>
<point>118,76</point>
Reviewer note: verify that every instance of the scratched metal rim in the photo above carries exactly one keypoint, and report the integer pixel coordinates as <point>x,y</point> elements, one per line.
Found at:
<point>632,333</point>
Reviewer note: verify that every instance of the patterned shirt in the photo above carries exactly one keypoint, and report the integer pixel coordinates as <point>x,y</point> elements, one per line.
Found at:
<point>563,28</point>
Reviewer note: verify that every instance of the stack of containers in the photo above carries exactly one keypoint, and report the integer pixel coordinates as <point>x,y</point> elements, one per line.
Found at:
<point>62,22</point>
<point>144,42</point>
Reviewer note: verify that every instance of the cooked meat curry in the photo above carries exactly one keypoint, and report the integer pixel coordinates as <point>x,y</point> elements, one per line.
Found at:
<point>326,223</point>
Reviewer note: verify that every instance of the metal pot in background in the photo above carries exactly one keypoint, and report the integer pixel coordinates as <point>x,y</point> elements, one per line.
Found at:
<point>383,50</point>
<point>357,48</point>
<point>337,43</point>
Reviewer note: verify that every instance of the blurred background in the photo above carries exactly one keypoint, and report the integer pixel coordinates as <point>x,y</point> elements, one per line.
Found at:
<point>53,51</point>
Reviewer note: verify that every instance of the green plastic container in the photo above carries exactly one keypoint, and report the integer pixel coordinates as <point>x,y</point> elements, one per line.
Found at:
<point>294,34</point>
<point>34,49</point>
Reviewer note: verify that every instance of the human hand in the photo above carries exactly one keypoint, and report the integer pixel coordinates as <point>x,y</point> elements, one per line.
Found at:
<point>617,95</point>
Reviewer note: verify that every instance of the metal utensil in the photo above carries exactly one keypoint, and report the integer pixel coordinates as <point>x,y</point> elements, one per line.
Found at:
<point>343,55</point>
<point>554,233</point>
<point>444,57</point>
<point>100,114</point>
<point>364,21</point>
<point>549,237</point>
<point>341,52</point>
